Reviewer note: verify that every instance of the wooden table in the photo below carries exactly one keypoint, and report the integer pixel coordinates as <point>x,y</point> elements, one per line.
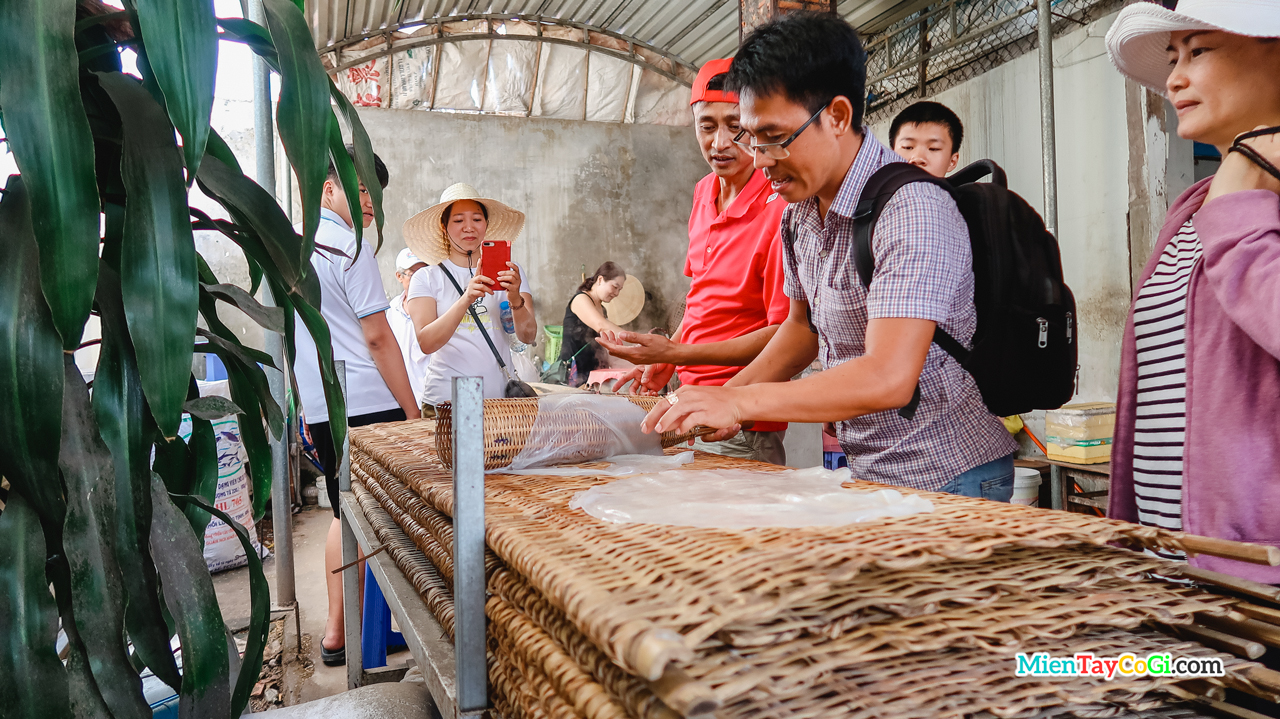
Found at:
<point>1062,494</point>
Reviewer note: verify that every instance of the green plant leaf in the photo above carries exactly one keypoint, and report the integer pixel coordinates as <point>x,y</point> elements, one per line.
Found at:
<point>303,113</point>
<point>319,330</point>
<point>211,408</point>
<point>268,318</point>
<point>348,182</point>
<point>259,612</point>
<point>252,34</point>
<point>33,684</point>
<point>98,596</point>
<point>265,233</point>
<point>121,412</point>
<point>158,257</point>
<point>226,341</point>
<point>203,449</point>
<point>30,368</point>
<point>244,393</point>
<point>365,166</point>
<point>181,38</point>
<point>219,148</point>
<point>188,592</point>
<point>49,135</point>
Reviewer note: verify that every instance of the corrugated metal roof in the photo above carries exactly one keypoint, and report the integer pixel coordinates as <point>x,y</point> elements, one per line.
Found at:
<point>691,31</point>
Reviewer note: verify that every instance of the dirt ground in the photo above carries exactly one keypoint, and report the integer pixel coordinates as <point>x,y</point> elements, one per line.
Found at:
<point>292,672</point>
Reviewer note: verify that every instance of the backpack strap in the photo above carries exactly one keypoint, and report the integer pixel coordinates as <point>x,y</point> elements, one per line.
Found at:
<point>875,196</point>
<point>789,249</point>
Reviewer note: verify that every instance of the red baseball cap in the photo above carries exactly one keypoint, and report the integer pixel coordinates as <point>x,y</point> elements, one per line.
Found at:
<point>710,69</point>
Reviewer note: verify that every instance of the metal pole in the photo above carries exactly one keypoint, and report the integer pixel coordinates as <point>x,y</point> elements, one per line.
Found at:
<point>351,614</point>
<point>468,543</point>
<point>263,136</point>
<point>1048,138</point>
<point>281,478</point>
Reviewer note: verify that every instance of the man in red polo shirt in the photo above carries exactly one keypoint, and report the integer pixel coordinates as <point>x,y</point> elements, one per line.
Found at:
<point>736,301</point>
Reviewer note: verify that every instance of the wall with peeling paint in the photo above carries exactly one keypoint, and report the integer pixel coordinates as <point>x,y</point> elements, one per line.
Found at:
<point>1001,115</point>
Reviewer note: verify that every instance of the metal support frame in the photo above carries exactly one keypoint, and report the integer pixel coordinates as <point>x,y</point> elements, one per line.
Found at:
<point>281,477</point>
<point>468,544</point>
<point>1048,137</point>
<point>350,552</point>
<point>456,675</point>
<point>442,38</point>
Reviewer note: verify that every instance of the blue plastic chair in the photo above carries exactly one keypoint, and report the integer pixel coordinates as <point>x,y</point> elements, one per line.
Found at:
<point>376,636</point>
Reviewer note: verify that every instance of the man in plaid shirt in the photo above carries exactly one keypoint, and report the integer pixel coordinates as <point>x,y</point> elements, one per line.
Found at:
<point>801,81</point>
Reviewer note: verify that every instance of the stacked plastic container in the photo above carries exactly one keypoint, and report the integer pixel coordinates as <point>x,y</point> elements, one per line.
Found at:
<point>1080,433</point>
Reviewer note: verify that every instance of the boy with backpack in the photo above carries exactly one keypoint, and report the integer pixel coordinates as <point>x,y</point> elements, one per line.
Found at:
<point>928,135</point>
<point>908,412</point>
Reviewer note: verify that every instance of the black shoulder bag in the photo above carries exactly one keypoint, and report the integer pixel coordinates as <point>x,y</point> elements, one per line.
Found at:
<point>514,388</point>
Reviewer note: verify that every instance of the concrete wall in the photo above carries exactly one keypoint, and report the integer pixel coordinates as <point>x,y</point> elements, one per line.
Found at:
<point>591,192</point>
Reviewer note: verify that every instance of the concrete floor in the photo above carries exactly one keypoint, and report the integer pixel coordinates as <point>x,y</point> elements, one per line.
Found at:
<point>303,683</point>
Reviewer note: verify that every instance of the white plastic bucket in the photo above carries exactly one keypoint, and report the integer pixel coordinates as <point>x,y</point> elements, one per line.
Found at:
<point>1026,486</point>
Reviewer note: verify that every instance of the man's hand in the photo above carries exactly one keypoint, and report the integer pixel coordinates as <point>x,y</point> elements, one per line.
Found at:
<point>647,379</point>
<point>691,406</point>
<point>645,349</point>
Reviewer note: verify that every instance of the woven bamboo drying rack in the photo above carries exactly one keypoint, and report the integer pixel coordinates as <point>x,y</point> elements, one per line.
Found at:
<point>538,636</point>
<point>598,620</point>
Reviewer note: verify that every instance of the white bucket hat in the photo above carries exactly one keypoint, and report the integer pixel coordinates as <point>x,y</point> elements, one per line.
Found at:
<point>425,236</point>
<point>1138,41</point>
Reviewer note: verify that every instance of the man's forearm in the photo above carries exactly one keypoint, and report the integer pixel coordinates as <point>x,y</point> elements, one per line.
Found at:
<point>737,352</point>
<point>791,348</point>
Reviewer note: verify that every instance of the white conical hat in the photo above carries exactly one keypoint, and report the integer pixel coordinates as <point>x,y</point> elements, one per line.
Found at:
<point>627,305</point>
<point>1138,40</point>
<point>424,232</point>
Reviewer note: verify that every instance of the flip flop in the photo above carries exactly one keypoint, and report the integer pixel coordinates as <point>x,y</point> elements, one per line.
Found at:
<point>333,657</point>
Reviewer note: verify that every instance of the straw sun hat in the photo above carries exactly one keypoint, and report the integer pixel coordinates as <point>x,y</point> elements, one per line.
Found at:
<point>627,305</point>
<point>1138,41</point>
<point>425,236</point>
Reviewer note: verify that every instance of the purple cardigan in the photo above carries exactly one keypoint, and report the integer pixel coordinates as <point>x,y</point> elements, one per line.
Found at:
<point>1231,460</point>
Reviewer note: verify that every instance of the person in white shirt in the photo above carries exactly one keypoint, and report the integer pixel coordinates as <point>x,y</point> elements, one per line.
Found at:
<point>415,360</point>
<point>354,305</point>
<point>449,237</point>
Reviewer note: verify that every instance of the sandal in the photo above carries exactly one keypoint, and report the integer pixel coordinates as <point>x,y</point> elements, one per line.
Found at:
<point>333,657</point>
<point>1254,156</point>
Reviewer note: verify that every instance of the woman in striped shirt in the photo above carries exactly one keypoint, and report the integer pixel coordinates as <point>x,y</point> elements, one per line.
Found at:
<point>1197,443</point>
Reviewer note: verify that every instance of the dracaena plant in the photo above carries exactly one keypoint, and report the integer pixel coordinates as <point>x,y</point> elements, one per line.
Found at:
<point>106,504</point>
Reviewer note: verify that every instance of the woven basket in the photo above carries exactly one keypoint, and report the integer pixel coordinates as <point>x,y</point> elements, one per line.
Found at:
<point>507,423</point>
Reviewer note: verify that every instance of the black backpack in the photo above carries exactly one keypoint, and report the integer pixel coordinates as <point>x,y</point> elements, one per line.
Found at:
<point>1024,348</point>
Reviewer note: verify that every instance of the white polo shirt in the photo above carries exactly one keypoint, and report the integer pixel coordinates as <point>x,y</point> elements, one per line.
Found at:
<point>349,291</point>
<point>415,361</point>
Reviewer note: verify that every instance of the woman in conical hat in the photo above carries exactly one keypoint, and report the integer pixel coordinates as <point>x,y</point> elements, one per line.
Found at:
<point>449,237</point>
<point>1197,438</point>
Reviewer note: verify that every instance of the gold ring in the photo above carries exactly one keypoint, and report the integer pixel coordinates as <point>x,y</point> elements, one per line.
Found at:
<point>671,399</point>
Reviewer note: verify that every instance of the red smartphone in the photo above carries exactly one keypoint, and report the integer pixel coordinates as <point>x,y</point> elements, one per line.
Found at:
<point>494,258</point>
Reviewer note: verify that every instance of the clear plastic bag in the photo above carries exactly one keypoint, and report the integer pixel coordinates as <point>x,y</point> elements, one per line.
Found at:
<point>739,499</point>
<point>574,428</point>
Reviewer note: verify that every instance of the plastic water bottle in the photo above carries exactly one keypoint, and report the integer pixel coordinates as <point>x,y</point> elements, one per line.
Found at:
<point>508,319</point>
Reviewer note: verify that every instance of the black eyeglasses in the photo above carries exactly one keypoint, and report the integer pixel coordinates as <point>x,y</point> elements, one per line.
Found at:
<point>774,150</point>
